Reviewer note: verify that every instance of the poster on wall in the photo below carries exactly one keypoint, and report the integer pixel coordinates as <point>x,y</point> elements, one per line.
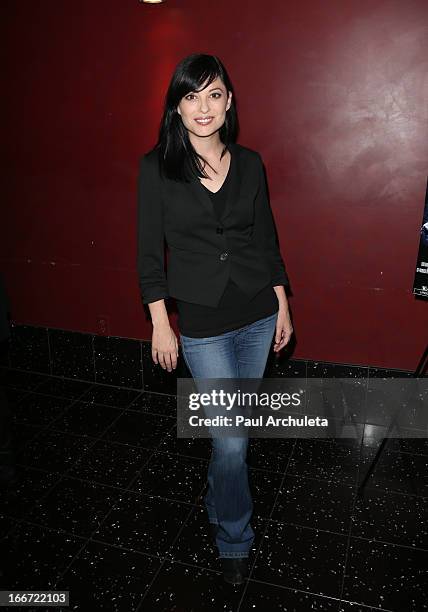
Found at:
<point>420,286</point>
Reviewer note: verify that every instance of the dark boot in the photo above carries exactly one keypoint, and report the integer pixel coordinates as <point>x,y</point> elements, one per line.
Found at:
<point>235,570</point>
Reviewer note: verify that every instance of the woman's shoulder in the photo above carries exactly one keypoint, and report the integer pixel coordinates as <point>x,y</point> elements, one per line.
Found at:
<point>248,155</point>
<point>244,149</point>
<point>246,152</point>
<point>150,156</point>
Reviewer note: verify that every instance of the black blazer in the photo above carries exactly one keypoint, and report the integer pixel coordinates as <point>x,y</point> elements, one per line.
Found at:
<point>203,252</point>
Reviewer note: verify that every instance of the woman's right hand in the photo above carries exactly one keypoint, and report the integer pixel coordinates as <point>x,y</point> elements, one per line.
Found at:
<point>164,347</point>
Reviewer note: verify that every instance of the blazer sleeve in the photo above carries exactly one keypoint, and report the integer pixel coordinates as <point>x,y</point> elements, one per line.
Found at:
<point>266,231</point>
<point>150,234</point>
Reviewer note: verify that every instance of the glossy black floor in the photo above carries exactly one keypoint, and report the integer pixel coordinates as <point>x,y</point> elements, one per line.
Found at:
<point>108,506</point>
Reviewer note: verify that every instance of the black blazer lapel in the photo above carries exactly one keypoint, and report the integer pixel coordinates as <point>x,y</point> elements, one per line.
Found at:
<point>197,189</point>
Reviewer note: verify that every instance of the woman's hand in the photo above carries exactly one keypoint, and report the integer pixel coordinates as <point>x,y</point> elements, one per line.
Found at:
<point>164,347</point>
<point>284,329</point>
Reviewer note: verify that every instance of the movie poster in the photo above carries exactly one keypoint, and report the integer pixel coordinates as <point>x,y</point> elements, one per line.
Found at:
<point>420,286</point>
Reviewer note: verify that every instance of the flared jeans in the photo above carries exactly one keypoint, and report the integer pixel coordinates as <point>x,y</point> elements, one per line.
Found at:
<point>238,354</point>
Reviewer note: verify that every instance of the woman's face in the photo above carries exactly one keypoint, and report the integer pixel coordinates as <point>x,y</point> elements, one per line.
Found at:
<point>204,112</point>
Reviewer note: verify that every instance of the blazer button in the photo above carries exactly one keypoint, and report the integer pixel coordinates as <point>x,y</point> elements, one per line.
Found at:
<point>223,256</point>
<point>219,230</point>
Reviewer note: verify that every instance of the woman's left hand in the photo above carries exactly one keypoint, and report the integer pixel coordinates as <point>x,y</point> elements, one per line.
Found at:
<point>284,329</point>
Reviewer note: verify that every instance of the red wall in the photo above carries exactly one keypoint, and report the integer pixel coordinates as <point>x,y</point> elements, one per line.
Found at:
<point>330,93</point>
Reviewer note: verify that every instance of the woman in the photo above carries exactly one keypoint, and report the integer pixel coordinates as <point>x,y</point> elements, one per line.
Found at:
<point>207,196</point>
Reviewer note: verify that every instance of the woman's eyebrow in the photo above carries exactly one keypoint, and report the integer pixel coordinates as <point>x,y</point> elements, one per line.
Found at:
<point>212,89</point>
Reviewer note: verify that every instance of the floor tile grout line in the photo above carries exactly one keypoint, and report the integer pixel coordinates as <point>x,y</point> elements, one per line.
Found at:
<point>387,543</point>
<point>73,401</point>
<point>167,559</point>
<point>311,593</point>
<point>51,424</point>
<point>67,379</point>
<point>351,513</point>
<point>348,545</point>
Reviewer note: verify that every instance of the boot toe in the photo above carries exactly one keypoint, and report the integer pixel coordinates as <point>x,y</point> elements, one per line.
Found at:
<point>235,570</point>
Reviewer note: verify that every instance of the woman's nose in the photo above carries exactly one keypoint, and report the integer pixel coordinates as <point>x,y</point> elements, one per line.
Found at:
<point>204,108</point>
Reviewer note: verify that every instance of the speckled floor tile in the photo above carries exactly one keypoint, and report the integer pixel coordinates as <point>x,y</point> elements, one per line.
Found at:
<point>336,460</point>
<point>39,410</point>
<point>301,558</point>
<point>110,396</point>
<point>183,478</point>
<point>189,447</point>
<point>53,451</point>
<point>146,430</point>
<point>36,556</point>
<point>348,606</point>
<point>322,369</point>
<point>118,361</point>
<point>6,525</point>
<point>195,544</point>
<point>264,486</point>
<point>400,401</point>
<point>108,578</point>
<point>190,589</point>
<point>20,379</point>
<point>261,597</point>
<point>300,565</point>
<point>400,472</point>
<point>335,399</point>
<point>417,446</point>
<point>143,523</point>
<point>71,354</point>
<point>13,395</point>
<point>386,576</point>
<point>269,454</point>
<point>375,372</point>
<point>155,403</point>
<point>75,506</point>
<point>110,463</point>
<point>86,419</point>
<point>18,499</point>
<point>282,366</point>
<point>22,434</point>
<point>314,503</point>
<point>391,517</point>
<point>63,387</point>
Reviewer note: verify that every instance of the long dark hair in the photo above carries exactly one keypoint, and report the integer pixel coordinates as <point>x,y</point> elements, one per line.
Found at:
<point>178,159</point>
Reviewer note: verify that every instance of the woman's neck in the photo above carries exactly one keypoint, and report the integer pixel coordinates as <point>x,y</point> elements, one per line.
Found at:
<point>209,149</point>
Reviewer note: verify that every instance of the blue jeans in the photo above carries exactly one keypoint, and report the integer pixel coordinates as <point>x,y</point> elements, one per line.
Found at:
<point>241,353</point>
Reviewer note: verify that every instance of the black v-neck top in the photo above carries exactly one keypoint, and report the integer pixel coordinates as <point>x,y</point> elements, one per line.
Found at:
<point>235,309</point>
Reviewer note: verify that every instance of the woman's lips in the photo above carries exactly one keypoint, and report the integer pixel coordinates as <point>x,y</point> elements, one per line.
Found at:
<point>204,121</point>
